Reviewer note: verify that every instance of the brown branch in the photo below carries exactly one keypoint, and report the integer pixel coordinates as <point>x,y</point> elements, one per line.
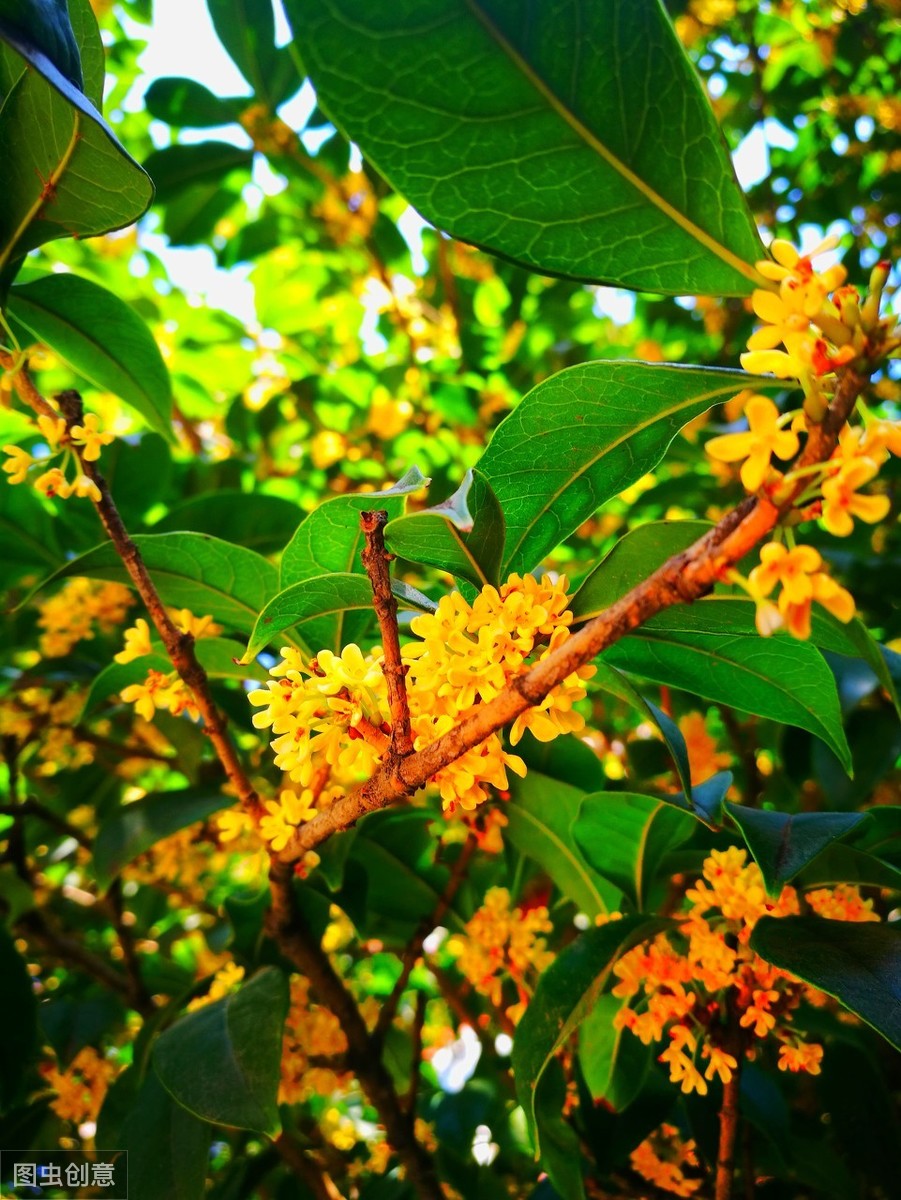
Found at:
<point>725,1158</point>
<point>680,580</point>
<point>139,993</point>
<point>179,646</point>
<point>376,559</point>
<point>416,1053</point>
<point>413,949</point>
<point>307,1170</point>
<point>286,924</point>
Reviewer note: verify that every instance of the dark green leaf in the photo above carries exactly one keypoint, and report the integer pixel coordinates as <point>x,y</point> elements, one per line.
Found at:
<point>187,104</point>
<point>139,825</point>
<point>101,338</point>
<point>222,1061</point>
<point>840,863</point>
<point>564,996</point>
<point>540,818</point>
<point>778,678</point>
<point>706,801</point>
<point>626,838</point>
<point>179,167</point>
<point>460,102</point>
<point>561,1154</point>
<point>246,29</point>
<point>257,521</point>
<point>782,844</point>
<point>167,1146</point>
<point>859,964</point>
<point>43,28</point>
<point>191,570</point>
<point>582,436</point>
<point>19,1029</point>
<point>321,596</point>
<point>614,1061</point>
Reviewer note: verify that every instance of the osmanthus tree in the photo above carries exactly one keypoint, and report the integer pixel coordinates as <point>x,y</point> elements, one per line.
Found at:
<point>442,672</point>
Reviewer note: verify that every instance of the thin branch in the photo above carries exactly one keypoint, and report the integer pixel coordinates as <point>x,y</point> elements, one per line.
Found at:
<point>413,949</point>
<point>725,1158</point>
<point>307,1170</point>
<point>286,924</point>
<point>32,808</point>
<point>139,993</point>
<point>680,580</point>
<point>376,559</point>
<point>416,1053</point>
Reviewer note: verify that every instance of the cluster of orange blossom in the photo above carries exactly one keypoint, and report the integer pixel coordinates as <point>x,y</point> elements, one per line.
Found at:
<point>70,614</point>
<point>661,1159</point>
<point>330,715</point>
<point>164,690</point>
<point>503,943</point>
<point>680,986</point>
<point>88,437</point>
<point>80,1089</point>
<point>43,722</point>
<point>820,325</point>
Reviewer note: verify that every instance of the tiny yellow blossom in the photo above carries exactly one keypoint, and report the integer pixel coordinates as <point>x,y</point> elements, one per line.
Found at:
<point>841,503</point>
<point>764,439</point>
<point>17,464</point>
<point>137,642</point>
<point>90,437</point>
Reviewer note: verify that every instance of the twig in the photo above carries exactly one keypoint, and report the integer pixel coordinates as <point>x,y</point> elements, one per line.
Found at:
<point>286,925</point>
<point>32,808</point>
<point>680,580</point>
<point>140,995</point>
<point>375,560</point>
<point>413,949</point>
<point>416,1053</point>
<point>307,1170</point>
<point>725,1158</point>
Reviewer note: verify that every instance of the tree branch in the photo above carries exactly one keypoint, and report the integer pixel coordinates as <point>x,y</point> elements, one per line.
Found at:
<point>680,580</point>
<point>375,560</point>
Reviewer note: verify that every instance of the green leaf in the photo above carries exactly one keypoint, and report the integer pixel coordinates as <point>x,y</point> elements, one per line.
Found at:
<point>437,536</point>
<point>19,1032</point>
<point>782,844</point>
<point>561,1153</point>
<point>136,827</point>
<point>190,570</point>
<point>44,28</point>
<point>176,168</point>
<point>626,838</point>
<point>608,679</point>
<point>322,596</point>
<point>222,1061</point>
<point>540,818</point>
<point>565,994</point>
<point>573,139</point>
<point>706,801</point>
<point>187,104</point>
<point>840,863</point>
<point>330,540</point>
<point>168,1147</point>
<point>857,963</point>
<point>257,521</point>
<point>101,338</point>
<point>778,678</point>
<point>614,1062</point>
<point>634,557</point>
<point>582,436</point>
<point>246,28</point>
<point>64,172</point>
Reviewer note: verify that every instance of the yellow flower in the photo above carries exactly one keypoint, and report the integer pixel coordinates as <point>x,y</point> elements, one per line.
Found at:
<point>90,437</point>
<point>53,429</point>
<point>764,439</point>
<point>841,502</point>
<point>285,815</point>
<point>198,627</point>
<point>721,1063</point>
<point>800,1056</point>
<point>791,568</point>
<point>17,464</point>
<point>232,824</point>
<point>84,486</point>
<point>137,642</point>
<point>53,483</point>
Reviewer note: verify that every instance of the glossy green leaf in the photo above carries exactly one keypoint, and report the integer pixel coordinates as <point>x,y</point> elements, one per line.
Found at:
<point>859,964</point>
<point>137,826</point>
<point>565,994</point>
<point>176,168</point>
<point>476,110</point>
<point>614,1061</point>
<point>19,1029</point>
<point>246,29</point>
<point>257,521</point>
<point>64,172</point>
<point>781,679</point>
<point>706,802</point>
<point>608,679</point>
<point>782,844</point>
<point>101,338</point>
<point>190,570</point>
<point>187,104</point>
<point>626,838</point>
<point>841,863</point>
<point>561,1153</point>
<point>222,1061</point>
<point>540,818</point>
<point>322,596</point>
<point>168,1147</point>
<point>582,436</point>
<point>45,28</point>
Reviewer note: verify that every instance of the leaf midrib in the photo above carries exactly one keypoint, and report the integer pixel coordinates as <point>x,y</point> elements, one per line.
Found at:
<point>593,142</point>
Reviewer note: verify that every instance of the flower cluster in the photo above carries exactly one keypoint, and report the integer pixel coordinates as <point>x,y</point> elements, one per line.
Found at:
<point>162,690</point>
<point>813,324</point>
<point>503,943</point>
<point>87,437</point>
<point>81,1088</point>
<point>70,615</point>
<point>680,987</point>
<point>330,716</point>
<point>311,1032</point>
<point>226,981</point>
<point>662,1159</point>
<point>44,720</point>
